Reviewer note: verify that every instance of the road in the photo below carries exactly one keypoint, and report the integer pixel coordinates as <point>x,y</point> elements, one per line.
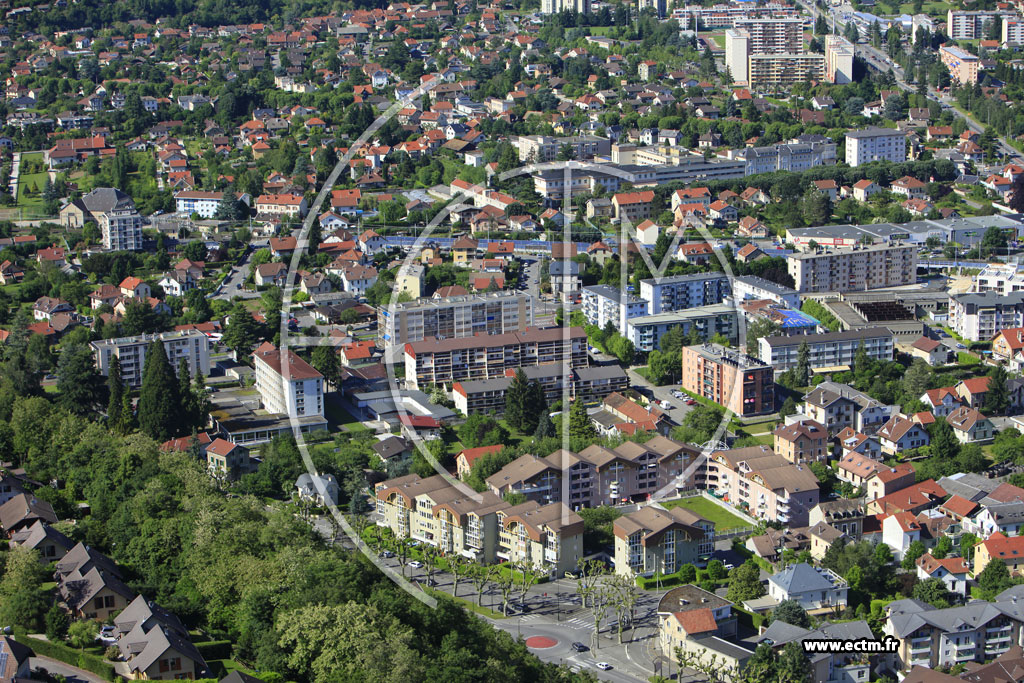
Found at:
<point>232,286</point>
<point>881,62</point>
<point>679,408</point>
<point>70,673</point>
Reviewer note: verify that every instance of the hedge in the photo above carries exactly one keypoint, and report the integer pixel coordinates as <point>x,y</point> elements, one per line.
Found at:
<point>215,649</point>
<point>69,655</point>
<point>749,619</point>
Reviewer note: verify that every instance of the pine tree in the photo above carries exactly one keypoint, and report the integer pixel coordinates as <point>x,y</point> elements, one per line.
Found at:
<point>200,401</point>
<point>159,401</point>
<point>325,360</point>
<point>516,398</point>
<point>580,426</point>
<point>185,389</point>
<point>545,427</point>
<point>242,331</point>
<point>536,405</point>
<point>803,368</point>
<point>115,389</point>
<point>127,423</point>
<point>997,396</point>
<point>944,443</point>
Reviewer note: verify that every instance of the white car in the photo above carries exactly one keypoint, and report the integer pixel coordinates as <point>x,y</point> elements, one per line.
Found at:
<point>603,666</point>
<point>416,564</point>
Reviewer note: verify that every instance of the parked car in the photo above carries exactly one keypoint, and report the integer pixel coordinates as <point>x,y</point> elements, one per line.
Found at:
<point>107,635</point>
<point>572,575</point>
<point>691,402</point>
<point>416,564</point>
<point>387,554</point>
<point>579,647</point>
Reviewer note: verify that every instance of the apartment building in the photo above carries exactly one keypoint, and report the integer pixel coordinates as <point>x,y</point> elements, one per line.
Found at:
<point>963,66</point>
<point>827,350</point>
<point>657,5</point>
<point>1005,278</point>
<point>646,331</point>
<point>768,35</point>
<point>191,345</point>
<point>286,383</point>
<point>556,6</point>
<point>762,484</point>
<point>633,206</point>
<point>188,202</point>
<point>551,184</point>
<point>443,361</point>
<point>455,317</point>
<point>802,441</point>
<point>838,406</point>
<point>585,384</point>
<point>782,70</point>
<point>725,16</point>
<point>751,287</point>
<point>838,59</point>
<point>1013,31</point>
<point>875,144</point>
<point>976,632</point>
<point>543,148</point>
<point>481,527</point>
<point>680,292</point>
<point>973,25</point>
<point>979,317</point>
<point>793,156</point>
<point>854,269</point>
<point>734,380</point>
<point>281,205</point>
<point>603,304</point>
<point>654,539</point>
<point>596,476</point>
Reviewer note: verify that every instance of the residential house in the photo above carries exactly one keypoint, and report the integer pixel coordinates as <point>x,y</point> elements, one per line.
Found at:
<point>801,441</point>
<point>901,434</point>
<point>970,426</point>
<point>889,480</point>
<point>952,571</point>
<point>24,510</point>
<point>815,588</point>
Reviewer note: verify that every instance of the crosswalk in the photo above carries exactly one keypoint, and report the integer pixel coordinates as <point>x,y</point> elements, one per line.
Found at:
<point>572,622</point>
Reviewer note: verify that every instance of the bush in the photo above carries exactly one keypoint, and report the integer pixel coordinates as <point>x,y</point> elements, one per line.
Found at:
<point>215,649</point>
<point>112,653</point>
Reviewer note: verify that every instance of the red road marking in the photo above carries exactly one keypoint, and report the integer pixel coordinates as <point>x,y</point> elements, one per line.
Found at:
<point>540,642</point>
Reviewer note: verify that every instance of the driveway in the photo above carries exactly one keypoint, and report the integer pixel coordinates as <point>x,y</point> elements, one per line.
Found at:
<point>72,674</point>
<point>678,408</point>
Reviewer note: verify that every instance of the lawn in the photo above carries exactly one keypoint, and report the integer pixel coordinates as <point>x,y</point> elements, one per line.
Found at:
<point>719,40</point>
<point>36,181</point>
<point>964,358</point>
<point>337,416</point>
<point>723,519</point>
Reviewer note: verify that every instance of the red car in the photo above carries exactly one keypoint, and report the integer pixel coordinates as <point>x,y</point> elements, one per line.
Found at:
<point>691,402</point>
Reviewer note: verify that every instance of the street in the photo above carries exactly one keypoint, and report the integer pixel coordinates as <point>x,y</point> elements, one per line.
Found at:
<point>233,284</point>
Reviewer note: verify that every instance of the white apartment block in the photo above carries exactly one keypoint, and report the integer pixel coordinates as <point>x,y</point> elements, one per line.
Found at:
<point>1013,31</point>
<point>657,5</point>
<point>781,70</point>
<point>192,345</point>
<point>875,144</point>
<point>725,16</point>
<point>827,350</point>
<point>972,25</point>
<point>188,202</point>
<point>556,6</point>
<point>291,386</point>
<point>679,292</point>
<point>794,157</point>
<point>455,316</point>
<point>1004,278</point>
<point>838,59</point>
<point>544,148</point>
<point>751,287</point>
<point>979,317</point>
<point>603,304</point>
<point>854,269</point>
<point>784,35</point>
<point>121,229</point>
<point>737,49</point>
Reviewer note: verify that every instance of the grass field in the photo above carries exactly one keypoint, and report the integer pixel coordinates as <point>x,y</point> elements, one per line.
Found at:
<point>36,181</point>
<point>341,418</point>
<point>723,519</point>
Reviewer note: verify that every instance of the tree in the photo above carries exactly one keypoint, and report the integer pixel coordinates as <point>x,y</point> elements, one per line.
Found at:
<point>481,430</point>
<point>545,427</point>
<point>22,598</point>
<point>994,578</point>
<point>516,397</point>
<point>159,400</point>
<point>993,242</point>
<point>580,426</point>
<point>915,550</point>
<point>816,207</point>
<point>77,380</point>
<point>793,665</point>
<point>325,360</point>
<point>942,548</point>
<point>803,368</point>
<point>82,633</point>
<point>792,613</point>
<point>934,592</point>
<point>916,378</point>
<point>944,443</point>
<point>460,568</point>
<point>997,397</point>
<point>56,624</point>
<point>762,327</point>
<point>967,543</point>
<point>744,582</point>
<point>242,331</point>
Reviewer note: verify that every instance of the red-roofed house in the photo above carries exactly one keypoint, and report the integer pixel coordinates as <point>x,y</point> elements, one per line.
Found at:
<point>1009,550</point>
<point>914,499</point>
<point>941,401</point>
<point>899,530</point>
<point>422,426</point>
<point>466,457</point>
<point>901,434</point>
<point>973,391</point>
<point>633,206</point>
<point>952,570</point>
<point>958,508</point>
<point>888,480</point>
<point>1008,346</point>
<point>929,350</point>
